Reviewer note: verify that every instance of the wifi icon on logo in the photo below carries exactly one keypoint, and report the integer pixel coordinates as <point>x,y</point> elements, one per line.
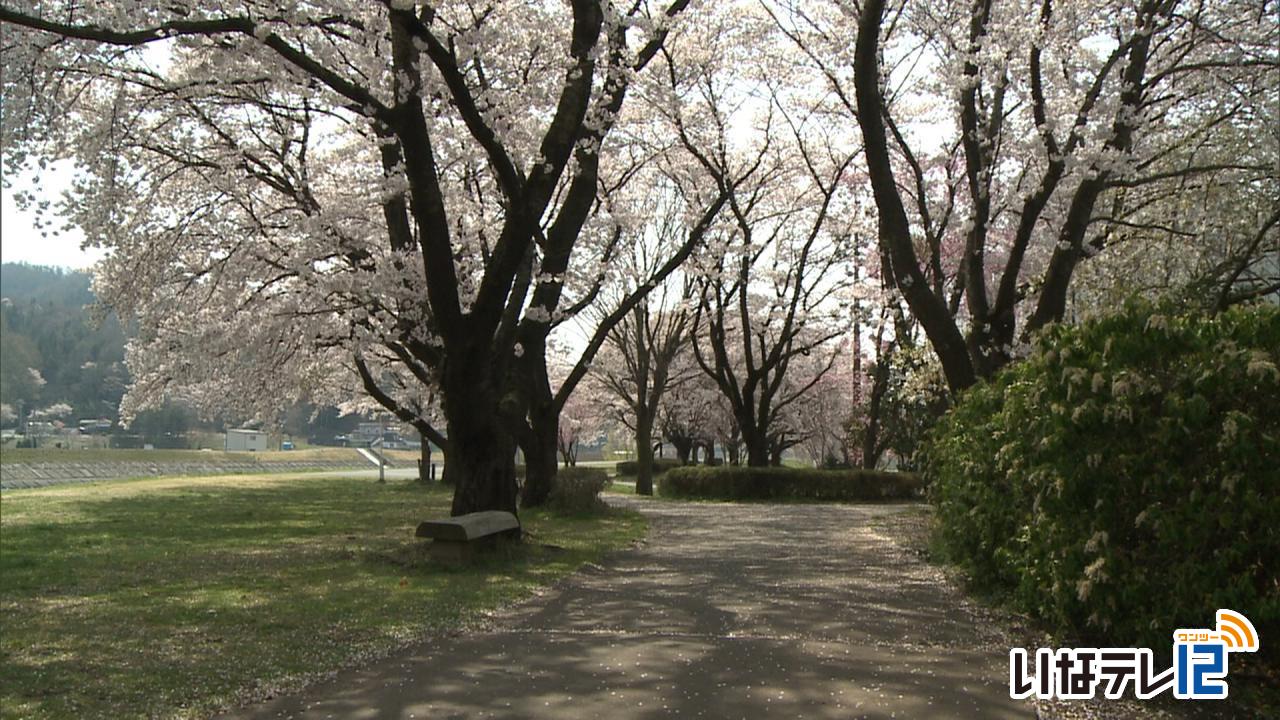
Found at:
<point>1236,632</point>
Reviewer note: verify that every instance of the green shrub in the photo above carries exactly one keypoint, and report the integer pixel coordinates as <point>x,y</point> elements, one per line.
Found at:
<point>577,489</point>
<point>1124,480</point>
<point>774,483</point>
<point>660,465</point>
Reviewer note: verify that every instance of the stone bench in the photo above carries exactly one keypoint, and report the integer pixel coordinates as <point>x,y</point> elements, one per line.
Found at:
<point>457,539</point>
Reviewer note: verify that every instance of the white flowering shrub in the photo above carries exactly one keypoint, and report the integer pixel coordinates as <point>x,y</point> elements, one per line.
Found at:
<point>1125,478</point>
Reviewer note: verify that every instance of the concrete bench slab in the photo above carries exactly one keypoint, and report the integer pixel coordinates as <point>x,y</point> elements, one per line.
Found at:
<point>456,539</point>
<point>472,526</point>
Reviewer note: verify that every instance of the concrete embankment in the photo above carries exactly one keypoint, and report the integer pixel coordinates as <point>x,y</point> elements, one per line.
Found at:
<point>15,476</point>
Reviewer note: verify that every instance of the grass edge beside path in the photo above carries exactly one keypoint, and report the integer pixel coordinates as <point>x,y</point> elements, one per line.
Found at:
<point>177,597</point>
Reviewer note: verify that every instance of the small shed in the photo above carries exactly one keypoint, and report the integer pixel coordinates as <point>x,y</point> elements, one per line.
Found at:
<point>246,441</point>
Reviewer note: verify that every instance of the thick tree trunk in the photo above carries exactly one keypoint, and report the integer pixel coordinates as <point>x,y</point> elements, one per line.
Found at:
<point>644,454</point>
<point>482,464</point>
<point>541,451</point>
<point>540,437</point>
<point>757,448</point>
<point>1052,304</point>
<point>684,448</point>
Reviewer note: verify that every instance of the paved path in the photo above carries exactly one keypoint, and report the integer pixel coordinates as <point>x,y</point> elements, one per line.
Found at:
<point>728,611</point>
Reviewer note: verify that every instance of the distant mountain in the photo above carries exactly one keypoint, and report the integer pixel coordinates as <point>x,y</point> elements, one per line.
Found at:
<point>46,333</point>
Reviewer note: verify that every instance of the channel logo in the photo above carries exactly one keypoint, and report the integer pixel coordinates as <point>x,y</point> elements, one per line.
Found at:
<point>1199,670</point>
<point>1236,632</point>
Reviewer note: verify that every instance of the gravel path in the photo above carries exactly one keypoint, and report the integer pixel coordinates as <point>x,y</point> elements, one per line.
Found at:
<point>727,611</point>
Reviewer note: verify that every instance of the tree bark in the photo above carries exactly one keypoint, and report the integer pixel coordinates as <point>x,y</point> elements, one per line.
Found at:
<point>482,464</point>
<point>757,448</point>
<point>482,449</point>
<point>541,448</point>
<point>709,458</point>
<point>644,454</point>
<point>872,448</point>
<point>756,441</point>
<point>684,448</point>
<point>894,229</point>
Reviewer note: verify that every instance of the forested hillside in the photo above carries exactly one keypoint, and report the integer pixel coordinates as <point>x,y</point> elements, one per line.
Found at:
<point>52,352</point>
<point>47,326</point>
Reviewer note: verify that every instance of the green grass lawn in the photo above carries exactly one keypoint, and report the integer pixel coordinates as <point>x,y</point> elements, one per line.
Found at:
<point>173,597</point>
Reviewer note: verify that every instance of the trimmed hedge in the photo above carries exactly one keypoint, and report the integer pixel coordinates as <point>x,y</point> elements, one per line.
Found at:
<point>774,483</point>
<point>577,489</point>
<point>1124,480</point>
<point>660,465</point>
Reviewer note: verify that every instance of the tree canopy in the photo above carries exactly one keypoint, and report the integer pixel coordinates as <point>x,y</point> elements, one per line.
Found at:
<point>436,207</point>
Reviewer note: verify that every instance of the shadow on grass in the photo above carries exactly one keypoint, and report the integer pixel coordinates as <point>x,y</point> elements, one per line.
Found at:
<point>123,601</point>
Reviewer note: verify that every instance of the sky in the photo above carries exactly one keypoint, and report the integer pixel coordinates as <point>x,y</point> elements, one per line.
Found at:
<point>20,241</point>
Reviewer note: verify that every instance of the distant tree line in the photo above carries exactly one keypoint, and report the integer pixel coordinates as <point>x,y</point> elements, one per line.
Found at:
<point>61,363</point>
<point>56,358</point>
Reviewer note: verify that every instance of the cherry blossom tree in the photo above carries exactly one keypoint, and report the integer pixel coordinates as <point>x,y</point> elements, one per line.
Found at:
<point>56,411</point>
<point>8,416</point>
<point>1209,239</point>
<point>584,419</point>
<point>769,298</point>
<point>870,375</point>
<point>657,176</point>
<point>644,350</point>
<point>621,284</point>
<point>882,326</point>
<point>693,415</point>
<point>765,288</point>
<point>821,417</point>
<point>358,191</point>
<point>1004,140</point>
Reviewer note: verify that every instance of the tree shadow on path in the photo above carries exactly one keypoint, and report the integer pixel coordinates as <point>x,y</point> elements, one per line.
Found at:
<point>728,611</point>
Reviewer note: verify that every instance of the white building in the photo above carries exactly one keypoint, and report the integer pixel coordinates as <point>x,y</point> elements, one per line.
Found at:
<point>246,441</point>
